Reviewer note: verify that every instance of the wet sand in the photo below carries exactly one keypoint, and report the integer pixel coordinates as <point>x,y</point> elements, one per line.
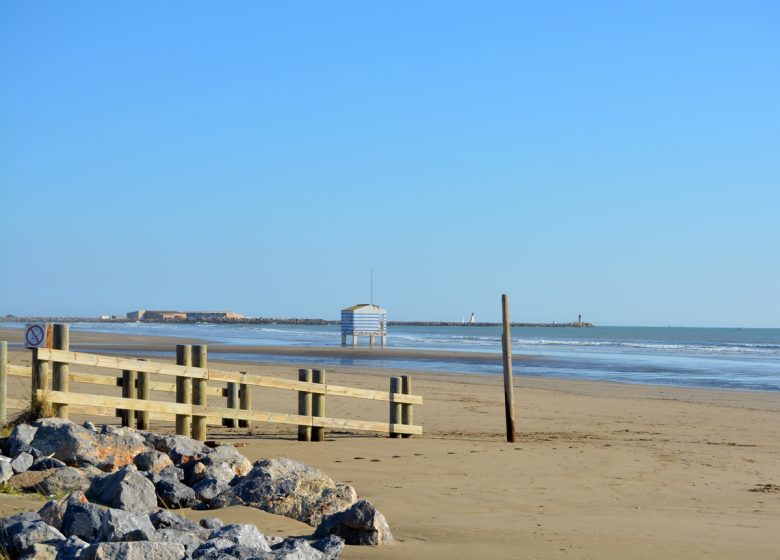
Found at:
<point>600,470</point>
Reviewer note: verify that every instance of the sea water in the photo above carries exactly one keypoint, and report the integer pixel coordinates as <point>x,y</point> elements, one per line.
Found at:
<point>747,359</point>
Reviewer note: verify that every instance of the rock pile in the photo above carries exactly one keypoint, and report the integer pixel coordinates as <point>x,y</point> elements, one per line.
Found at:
<point>116,480</point>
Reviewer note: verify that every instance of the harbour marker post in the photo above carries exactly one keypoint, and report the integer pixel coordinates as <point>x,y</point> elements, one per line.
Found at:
<point>509,396</point>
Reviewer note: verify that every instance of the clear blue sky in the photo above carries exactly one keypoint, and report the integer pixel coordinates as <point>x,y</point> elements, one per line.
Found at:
<point>607,158</point>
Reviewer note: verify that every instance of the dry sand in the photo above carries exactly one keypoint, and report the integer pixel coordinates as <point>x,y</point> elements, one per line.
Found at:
<point>600,470</point>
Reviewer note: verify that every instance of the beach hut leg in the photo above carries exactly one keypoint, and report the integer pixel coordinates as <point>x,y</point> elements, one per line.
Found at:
<point>304,405</point>
<point>59,369</point>
<point>183,390</point>
<point>199,391</point>
<point>318,405</point>
<point>407,413</point>
<point>395,407</point>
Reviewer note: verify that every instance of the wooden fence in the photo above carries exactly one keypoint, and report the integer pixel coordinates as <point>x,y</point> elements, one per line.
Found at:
<point>193,382</point>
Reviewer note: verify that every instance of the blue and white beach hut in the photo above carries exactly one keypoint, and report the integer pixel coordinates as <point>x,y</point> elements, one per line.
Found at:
<point>364,319</point>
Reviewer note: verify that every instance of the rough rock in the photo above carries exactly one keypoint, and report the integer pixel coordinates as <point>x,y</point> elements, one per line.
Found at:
<point>141,550</point>
<point>82,520</point>
<point>46,463</point>
<point>165,519</point>
<point>290,488</point>
<point>181,449</point>
<point>53,511</point>
<point>22,462</point>
<point>20,439</point>
<point>242,534</point>
<point>124,526</point>
<point>152,461</point>
<point>189,540</point>
<point>29,481</point>
<point>297,549</point>
<point>14,524</point>
<point>221,549</point>
<point>6,470</point>
<point>77,445</point>
<point>209,488</point>
<point>331,546</point>
<point>41,551</point>
<point>35,532</point>
<point>228,454</point>
<point>71,549</point>
<point>66,479</point>
<point>125,489</point>
<point>211,523</point>
<point>174,494</point>
<point>361,524</point>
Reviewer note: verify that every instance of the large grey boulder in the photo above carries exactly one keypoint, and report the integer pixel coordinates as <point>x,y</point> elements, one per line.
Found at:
<point>290,488</point>
<point>221,549</point>
<point>40,551</point>
<point>209,488</point>
<point>188,539</point>
<point>180,449</point>
<point>20,439</point>
<point>242,534</point>
<point>219,470</point>
<point>125,489</point>
<point>125,526</point>
<point>152,461</point>
<point>12,525</point>
<point>331,546</point>
<point>22,462</point>
<point>297,549</point>
<point>228,454</point>
<point>71,549</point>
<point>82,520</point>
<point>173,494</point>
<point>165,519</point>
<point>139,550</point>
<point>53,511</point>
<point>77,445</point>
<point>362,524</point>
<point>47,463</point>
<point>66,479</point>
<point>35,532</point>
<point>6,470</point>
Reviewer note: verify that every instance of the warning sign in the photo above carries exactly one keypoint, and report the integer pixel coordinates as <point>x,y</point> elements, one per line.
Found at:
<point>37,335</point>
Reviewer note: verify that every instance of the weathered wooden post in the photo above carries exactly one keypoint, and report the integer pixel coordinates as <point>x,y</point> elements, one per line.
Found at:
<point>304,405</point>
<point>3,383</point>
<point>199,391</point>
<point>407,413</point>
<point>40,375</point>
<point>142,417</point>
<point>245,402</point>
<point>128,392</point>
<point>509,396</point>
<point>60,369</point>
<point>318,405</point>
<point>231,392</point>
<point>183,390</point>
<point>395,407</point>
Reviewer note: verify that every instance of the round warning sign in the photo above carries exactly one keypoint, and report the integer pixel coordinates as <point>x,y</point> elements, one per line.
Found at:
<point>35,336</point>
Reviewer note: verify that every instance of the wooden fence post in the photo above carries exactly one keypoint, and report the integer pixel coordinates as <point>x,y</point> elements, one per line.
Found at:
<point>395,407</point>
<point>407,413</point>
<point>304,405</point>
<point>199,391</point>
<point>245,401</point>
<point>59,369</point>
<point>3,382</point>
<point>318,405</point>
<point>39,380</point>
<point>509,395</point>
<point>231,392</point>
<point>142,418</point>
<point>183,390</point>
<point>128,392</point>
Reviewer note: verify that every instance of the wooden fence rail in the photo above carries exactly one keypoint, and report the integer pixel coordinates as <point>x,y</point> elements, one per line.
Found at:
<point>193,384</point>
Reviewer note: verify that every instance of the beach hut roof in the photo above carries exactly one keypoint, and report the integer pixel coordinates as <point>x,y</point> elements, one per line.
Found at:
<point>365,308</point>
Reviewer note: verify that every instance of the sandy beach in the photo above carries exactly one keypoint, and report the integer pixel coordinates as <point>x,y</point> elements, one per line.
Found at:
<point>600,470</point>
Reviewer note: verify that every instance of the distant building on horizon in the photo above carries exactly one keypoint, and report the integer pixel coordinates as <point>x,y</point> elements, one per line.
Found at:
<point>157,315</point>
<point>364,319</point>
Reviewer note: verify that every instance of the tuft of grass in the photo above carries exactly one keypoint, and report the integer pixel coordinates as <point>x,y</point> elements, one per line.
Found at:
<point>6,488</point>
<point>40,407</point>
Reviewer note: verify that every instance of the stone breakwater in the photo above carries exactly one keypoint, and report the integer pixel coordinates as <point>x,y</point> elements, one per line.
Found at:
<point>119,487</point>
